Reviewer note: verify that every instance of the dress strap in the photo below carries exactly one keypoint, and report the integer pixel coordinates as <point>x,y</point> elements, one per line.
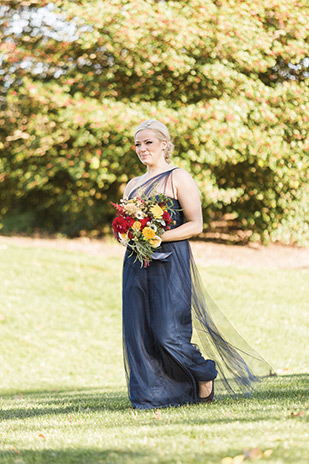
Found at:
<point>172,182</point>
<point>148,185</point>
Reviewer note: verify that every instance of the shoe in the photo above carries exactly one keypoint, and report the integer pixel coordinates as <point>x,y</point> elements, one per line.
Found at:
<point>209,398</point>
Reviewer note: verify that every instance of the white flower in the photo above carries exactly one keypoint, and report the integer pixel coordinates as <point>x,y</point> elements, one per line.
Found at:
<point>131,208</point>
<point>139,215</point>
<point>124,239</point>
<point>154,227</point>
<point>155,241</point>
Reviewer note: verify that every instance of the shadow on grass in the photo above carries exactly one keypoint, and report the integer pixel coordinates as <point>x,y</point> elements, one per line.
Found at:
<point>61,401</point>
<point>125,456</point>
<point>275,387</point>
<point>283,388</point>
<point>70,401</point>
<point>110,456</point>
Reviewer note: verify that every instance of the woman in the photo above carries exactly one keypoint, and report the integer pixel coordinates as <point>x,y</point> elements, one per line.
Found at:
<point>161,301</point>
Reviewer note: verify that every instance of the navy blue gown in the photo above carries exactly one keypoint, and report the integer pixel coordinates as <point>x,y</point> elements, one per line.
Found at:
<point>162,305</point>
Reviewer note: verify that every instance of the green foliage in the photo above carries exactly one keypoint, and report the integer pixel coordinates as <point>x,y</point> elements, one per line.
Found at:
<point>212,71</point>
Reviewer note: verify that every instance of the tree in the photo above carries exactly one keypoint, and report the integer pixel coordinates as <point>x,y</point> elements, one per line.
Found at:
<point>79,76</point>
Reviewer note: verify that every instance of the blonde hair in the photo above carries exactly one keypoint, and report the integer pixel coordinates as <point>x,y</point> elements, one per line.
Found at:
<point>161,132</point>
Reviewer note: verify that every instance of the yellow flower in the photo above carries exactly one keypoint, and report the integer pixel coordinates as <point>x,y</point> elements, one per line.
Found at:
<point>148,232</point>
<point>136,225</point>
<point>155,241</point>
<point>156,211</point>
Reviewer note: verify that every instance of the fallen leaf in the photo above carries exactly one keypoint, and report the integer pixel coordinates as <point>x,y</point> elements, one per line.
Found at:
<point>15,450</point>
<point>254,453</point>
<point>158,414</point>
<point>41,435</point>
<point>227,460</point>
<point>296,414</point>
<point>134,414</point>
<point>238,459</point>
<point>268,453</point>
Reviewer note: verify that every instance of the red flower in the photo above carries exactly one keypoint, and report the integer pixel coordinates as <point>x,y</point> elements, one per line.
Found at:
<point>130,221</point>
<point>120,225</point>
<point>166,217</point>
<point>144,222</point>
<point>119,208</point>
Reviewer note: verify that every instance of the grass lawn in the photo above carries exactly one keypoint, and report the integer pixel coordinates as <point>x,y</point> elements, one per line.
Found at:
<point>63,396</point>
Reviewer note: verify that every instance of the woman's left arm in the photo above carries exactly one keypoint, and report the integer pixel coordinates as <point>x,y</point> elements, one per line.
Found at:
<point>189,198</point>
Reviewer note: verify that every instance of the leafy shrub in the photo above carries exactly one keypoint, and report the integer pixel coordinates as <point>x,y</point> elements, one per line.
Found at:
<point>209,70</point>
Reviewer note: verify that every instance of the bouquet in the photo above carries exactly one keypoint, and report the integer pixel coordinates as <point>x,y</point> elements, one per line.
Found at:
<point>140,223</point>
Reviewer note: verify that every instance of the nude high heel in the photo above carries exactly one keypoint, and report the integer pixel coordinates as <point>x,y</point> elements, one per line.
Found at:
<point>209,398</point>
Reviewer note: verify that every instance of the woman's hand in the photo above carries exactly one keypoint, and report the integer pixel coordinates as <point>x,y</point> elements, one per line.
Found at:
<point>189,198</point>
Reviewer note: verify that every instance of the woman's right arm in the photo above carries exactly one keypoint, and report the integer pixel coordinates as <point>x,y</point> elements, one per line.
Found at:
<point>189,198</point>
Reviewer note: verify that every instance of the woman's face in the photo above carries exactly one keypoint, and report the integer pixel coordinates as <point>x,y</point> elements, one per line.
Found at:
<point>149,148</point>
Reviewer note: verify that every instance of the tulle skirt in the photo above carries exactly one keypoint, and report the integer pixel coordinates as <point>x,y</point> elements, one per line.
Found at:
<point>175,336</point>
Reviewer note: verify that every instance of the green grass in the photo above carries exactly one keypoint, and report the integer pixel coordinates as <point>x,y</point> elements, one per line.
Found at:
<point>63,394</point>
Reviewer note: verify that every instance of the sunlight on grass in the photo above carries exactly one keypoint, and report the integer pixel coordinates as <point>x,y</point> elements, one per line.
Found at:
<point>63,393</point>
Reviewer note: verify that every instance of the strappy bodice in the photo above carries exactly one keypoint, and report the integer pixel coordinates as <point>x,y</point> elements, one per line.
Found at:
<point>156,184</point>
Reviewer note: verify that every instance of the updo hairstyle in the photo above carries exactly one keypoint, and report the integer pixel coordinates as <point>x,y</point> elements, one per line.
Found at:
<point>162,134</point>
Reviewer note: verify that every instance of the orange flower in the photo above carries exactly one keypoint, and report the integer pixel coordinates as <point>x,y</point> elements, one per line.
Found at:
<point>148,232</point>
<point>136,225</point>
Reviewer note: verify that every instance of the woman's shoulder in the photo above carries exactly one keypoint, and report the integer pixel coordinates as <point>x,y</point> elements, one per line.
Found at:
<point>131,184</point>
<point>134,181</point>
<point>180,174</point>
<point>184,182</point>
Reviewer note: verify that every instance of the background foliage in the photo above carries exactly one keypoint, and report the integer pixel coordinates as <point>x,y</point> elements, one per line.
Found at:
<point>227,77</point>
